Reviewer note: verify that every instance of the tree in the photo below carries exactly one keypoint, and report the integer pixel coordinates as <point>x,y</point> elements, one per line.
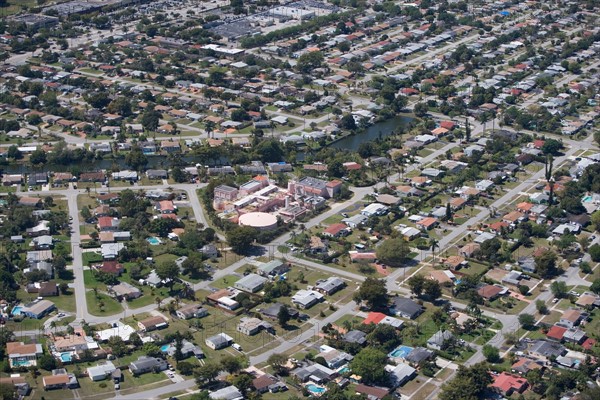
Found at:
<point>545,264</point>
<point>540,305</point>
<point>491,353</point>
<point>277,361</point>
<point>421,109</point>
<point>7,391</point>
<point>14,152</point>
<point>432,289</point>
<point>370,365</point>
<point>207,373</point>
<point>243,382</point>
<point>309,61</point>
<point>150,120</point>
<point>373,292</point>
<point>231,364</point>
<point>347,122</point>
<point>38,157</point>
<point>240,238</point>
<point>559,289</point>
<point>185,368</point>
<point>594,251</point>
<point>168,271</point>
<point>117,346</point>
<point>527,321</point>
<point>47,362</point>
<point>551,146</point>
<point>595,287</point>
<point>136,159</point>
<point>393,252</point>
<point>283,316</point>
<point>469,383</point>
<point>416,283</point>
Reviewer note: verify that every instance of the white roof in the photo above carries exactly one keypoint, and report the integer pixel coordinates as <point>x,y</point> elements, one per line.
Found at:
<point>121,330</point>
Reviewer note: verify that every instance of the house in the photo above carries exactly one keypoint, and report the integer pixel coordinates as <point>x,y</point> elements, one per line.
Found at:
<point>110,251</point>
<point>187,349</point>
<point>317,246</point>
<point>355,221</point>
<point>251,326</point>
<point>523,365</point>
<point>418,355</point>
<point>272,268</point>
<point>191,311</point>
<point>484,185</point>
<point>59,380</point>
<point>23,355</point>
<point>125,175</point>
<point>124,291</point>
<point>400,374</point>
<point>111,267</point>
<point>224,299</point>
<point>43,289</point>
<point>380,318</point>
<point>209,251</point>
<point>388,200</point>
<point>490,292</point>
<point>337,230</point>
<point>227,393</point>
<point>251,283</point>
<point>469,249</point>
<point>427,223</point>
<point>264,383</point>
<point>152,323</point>
<point>306,298</point>
<point>117,328</point>
<point>574,335</point>
<point>405,308</point>
<point>146,364</point>
<point>410,233</point>
<point>556,333</point>
<point>334,358</point>
<point>374,209</point>
<point>315,372</point>
<point>507,384</point>
<point>30,201</point>
<point>371,392</point>
<point>38,309</point>
<point>92,177</point>
<point>156,174</point>
<point>588,300</point>
<point>546,350</point>
<point>440,339</point>
<point>273,311</point>
<point>330,285</point>
<point>219,341</point>
<point>355,336</point>
<point>572,317</point>
<point>165,207</point>
<point>106,224</point>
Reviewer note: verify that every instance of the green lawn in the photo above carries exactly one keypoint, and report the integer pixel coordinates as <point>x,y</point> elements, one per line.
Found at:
<point>111,306</point>
<point>225,282</point>
<point>64,302</point>
<point>91,257</point>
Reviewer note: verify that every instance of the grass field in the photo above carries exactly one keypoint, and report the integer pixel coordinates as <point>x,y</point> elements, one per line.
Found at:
<point>110,305</point>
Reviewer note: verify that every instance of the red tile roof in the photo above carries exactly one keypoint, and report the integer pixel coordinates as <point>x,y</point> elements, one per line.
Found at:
<point>556,332</point>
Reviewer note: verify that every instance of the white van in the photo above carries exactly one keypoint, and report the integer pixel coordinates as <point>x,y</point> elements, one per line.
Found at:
<point>237,347</point>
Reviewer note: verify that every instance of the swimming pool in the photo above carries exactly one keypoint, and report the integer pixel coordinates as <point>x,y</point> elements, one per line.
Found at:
<point>400,352</point>
<point>165,347</point>
<point>587,199</point>
<point>154,241</point>
<point>66,357</point>
<point>318,390</point>
<point>343,370</point>
<point>16,310</point>
<point>21,363</point>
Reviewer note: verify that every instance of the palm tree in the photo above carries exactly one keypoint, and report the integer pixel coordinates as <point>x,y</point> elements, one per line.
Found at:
<point>209,127</point>
<point>434,244</point>
<point>158,301</point>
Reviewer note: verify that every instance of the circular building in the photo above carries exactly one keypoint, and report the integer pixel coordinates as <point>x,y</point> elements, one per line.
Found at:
<point>259,220</point>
